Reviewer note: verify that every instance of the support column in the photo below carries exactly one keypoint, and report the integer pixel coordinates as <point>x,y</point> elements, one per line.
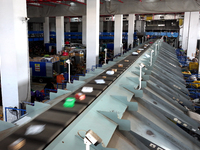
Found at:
<point>131,25</point>
<point>46,30</point>
<point>118,34</point>
<point>92,35</point>
<point>84,30</point>
<point>193,34</point>
<point>15,76</point>
<point>185,30</point>
<point>180,36</point>
<point>59,33</point>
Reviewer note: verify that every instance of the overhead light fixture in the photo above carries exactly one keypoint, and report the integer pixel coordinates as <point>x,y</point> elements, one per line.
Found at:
<point>36,4</point>
<point>72,4</point>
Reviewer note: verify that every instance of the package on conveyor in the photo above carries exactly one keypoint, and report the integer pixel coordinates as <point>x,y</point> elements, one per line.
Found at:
<point>186,72</point>
<point>79,53</point>
<point>120,65</point>
<point>64,57</point>
<point>135,53</point>
<point>36,59</point>
<point>30,59</point>
<point>69,48</point>
<point>71,54</point>
<point>47,59</point>
<point>195,84</point>
<point>76,53</point>
<point>56,58</point>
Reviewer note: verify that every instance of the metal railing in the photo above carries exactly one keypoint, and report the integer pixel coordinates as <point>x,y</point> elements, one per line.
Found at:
<point>22,112</point>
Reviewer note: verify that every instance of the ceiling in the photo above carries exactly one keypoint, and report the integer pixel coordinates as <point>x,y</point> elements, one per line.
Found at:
<point>51,8</point>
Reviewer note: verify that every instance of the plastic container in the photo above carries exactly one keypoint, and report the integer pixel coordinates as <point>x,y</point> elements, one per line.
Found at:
<point>69,102</point>
<point>193,66</point>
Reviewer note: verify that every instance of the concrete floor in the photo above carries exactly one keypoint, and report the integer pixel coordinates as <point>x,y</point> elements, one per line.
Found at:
<point>40,86</point>
<point>37,86</point>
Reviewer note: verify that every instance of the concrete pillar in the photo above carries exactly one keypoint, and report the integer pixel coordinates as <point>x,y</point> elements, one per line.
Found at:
<point>15,76</point>
<point>52,27</point>
<point>101,26</point>
<point>118,34</point>
<point>92,35</point>
<point>180,36</point>
<point>193,34</point>
<point>46,30</point>
<point>131,25</point>
<point>67,27</point>
<point>84,30</point>
<point>185,30</point>
<point>59,33</point>
<point>109,26</point>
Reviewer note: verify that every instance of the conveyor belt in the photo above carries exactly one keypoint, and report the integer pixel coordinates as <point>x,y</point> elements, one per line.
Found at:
<point>57,118</point>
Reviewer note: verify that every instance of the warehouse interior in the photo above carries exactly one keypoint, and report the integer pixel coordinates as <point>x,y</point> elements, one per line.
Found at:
<point>100,74</point>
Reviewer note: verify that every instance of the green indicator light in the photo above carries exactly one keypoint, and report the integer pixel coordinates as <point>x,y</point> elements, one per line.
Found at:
<point>69,102</point>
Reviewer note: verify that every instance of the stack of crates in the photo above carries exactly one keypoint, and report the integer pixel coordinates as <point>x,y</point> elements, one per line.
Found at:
<point>183,60</point>
<point>193,66</point>
<point>181,57</point>
<point>194,86</point>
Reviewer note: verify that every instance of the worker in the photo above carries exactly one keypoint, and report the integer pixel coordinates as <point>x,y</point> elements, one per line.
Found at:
<point>67,43</point>
<point>60,78</point>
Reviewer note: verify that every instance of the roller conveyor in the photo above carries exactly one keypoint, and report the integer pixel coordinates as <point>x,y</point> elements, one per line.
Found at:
<point>57,118</point>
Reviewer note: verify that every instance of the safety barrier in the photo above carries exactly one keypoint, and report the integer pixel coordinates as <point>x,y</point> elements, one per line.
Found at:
<point>22,112</point>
